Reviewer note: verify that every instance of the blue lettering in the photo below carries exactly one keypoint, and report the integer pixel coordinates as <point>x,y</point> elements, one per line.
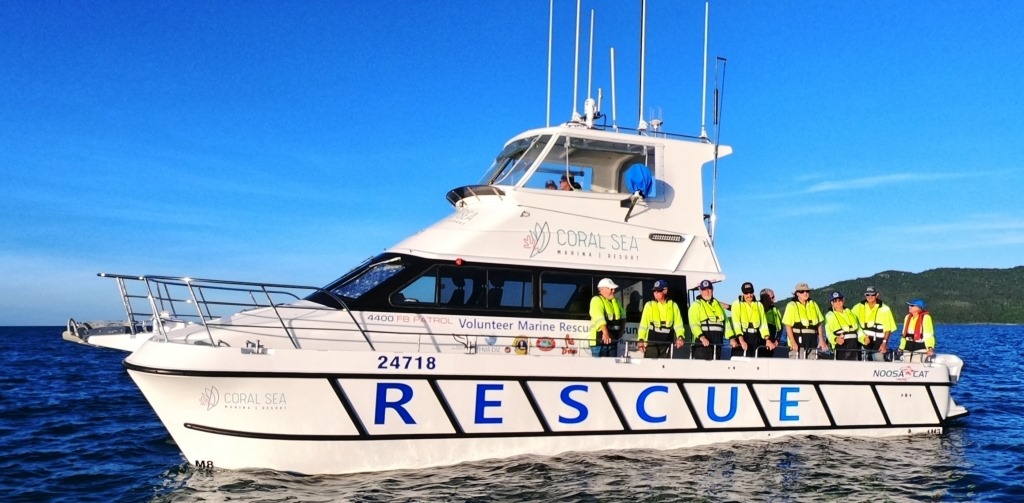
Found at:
<point>785,404</point>
<point>482,403</point>
<point>566,399</point>
<point>640,404</point>
<point>733,399</point>
<point>397,405</point>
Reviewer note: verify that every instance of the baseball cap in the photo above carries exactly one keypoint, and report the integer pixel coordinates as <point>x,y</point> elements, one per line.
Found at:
<point>870,291</point>
<point>747,287</point>
<point>549,183</point>
<point>568,178</point>
<point>659,285</point>
<point>606,283</point>
<point>704,285</point>
<point>917,302</point>
<point>801,286</point>
<point>836,295</point>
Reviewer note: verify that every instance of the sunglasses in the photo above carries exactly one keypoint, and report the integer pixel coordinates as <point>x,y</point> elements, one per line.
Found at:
<point>870,294</point>
<point>803,291</point>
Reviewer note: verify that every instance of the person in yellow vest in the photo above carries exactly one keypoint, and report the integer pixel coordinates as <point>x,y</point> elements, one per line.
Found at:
<point>803,321</point>
<point>774,319</point>
<point>918,330</point>
<point>707,323</point>
<point>877,322</point>
<point>607,319</point>
<point>661,324</point>
<point>843,329</point>
<point>750,324</point>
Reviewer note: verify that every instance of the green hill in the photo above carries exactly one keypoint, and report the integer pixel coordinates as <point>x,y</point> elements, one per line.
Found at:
<point>953,295</point>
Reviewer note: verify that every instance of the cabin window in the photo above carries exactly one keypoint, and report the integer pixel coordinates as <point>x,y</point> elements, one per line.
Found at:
<point>368,279</point>
<point>510,290</point>
<point>566,292</point>
<point>571,293</point>
<point>515,160</point>
<point>595,165</point>
<point>469,287</point>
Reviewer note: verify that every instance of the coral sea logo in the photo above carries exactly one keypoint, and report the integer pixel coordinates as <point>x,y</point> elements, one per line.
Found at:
<point>210,397</point>
<point>537,239</point>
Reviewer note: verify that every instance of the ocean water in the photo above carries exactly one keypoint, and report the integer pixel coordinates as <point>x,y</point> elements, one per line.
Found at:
<point>73,427</point>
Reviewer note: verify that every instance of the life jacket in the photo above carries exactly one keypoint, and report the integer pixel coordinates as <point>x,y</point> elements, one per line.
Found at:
<point>753,314</point>
<point>712,323</point>
<point>806,326</point>
<point>847,330</point>
<point>612,317</point>
<point>918,326</point>
<point>873,329</point>
<point>665,329</point>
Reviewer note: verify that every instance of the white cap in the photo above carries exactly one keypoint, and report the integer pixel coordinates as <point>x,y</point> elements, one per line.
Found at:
<point>606,283</point>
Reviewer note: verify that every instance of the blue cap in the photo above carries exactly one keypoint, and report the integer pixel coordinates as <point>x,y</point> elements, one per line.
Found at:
<point>704,285</point>
<point>917,302</point>
<point>836,295</point>
<point>659,285</point>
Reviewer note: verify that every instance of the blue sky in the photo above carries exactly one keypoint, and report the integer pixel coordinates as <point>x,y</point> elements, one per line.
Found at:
<point>287,141</point>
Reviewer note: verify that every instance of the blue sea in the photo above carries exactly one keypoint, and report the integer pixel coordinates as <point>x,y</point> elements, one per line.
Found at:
<point>73,427</point>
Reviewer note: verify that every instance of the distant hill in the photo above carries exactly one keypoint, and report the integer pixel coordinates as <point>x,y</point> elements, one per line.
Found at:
<point>953,295</point>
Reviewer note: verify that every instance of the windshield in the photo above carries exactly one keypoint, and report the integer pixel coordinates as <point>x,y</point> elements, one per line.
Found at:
<point>369,278</point>
<point>514,160</point>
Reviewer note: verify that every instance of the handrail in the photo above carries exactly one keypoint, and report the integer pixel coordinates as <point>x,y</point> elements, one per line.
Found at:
<point>164,305</point>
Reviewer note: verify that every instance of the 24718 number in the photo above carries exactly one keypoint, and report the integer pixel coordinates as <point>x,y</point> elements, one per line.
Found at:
<point>406,362</point>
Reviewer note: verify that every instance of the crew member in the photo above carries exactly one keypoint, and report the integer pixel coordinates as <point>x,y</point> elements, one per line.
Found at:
<point>877,322</point>
<point>750,324</point>
<point>843,329</point>
<point>606,319</point>
<point>774,319</point>
<point>803,321</point>
<point>661,324</point>
<point>918,331</point>
<point>707,322</point>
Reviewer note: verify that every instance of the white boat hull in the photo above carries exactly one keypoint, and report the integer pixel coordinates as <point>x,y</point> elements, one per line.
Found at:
<point>343,411</point>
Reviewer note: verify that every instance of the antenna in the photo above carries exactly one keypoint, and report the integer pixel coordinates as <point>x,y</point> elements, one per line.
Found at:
<point>643,51</point>
<point>551,31</point>
<point>704,79</point>
<point>589,109</point>
<point>719,91</point>
<point>614,125</point>
<point>576,66</point>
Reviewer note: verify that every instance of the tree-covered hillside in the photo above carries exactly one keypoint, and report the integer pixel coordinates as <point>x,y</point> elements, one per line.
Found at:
<point>953,295</point>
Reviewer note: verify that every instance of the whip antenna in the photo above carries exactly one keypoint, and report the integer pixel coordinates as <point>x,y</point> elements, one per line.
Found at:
<point>719,92</point>
<point>704,78</point>
<point>551,31</point>
<point>576,66</point>
<point>614,125</point>
<point>643,51</point>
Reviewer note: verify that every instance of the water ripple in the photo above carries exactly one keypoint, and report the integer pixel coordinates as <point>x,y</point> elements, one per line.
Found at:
<point>73,427</point>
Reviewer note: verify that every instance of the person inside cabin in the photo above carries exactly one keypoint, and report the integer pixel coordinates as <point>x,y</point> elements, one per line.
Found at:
<point>661,324</point>
<point>550,185</point>
<point>803,321</point>
<point>707,323</point>
<point>774,320</point>
<point>606,320</point>
<point>843,329</point>
<point>567,182</point>
<point>877,322</point>
<point>750,324</point>
<point>918,331</point>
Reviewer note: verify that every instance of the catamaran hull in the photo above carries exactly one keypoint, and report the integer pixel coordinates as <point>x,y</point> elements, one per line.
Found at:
<point>345,412</point>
